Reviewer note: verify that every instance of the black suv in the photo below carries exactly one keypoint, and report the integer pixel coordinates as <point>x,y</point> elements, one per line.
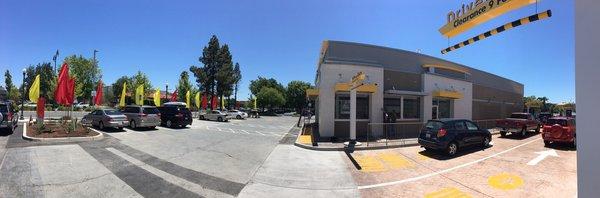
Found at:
<point>8,117</point>
<point>175,114</point>
<point>449,135</point>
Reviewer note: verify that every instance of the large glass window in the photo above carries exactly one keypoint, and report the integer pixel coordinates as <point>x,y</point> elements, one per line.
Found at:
<point>342,106</point>
<point>444,107</point>
<point>405,107</point>
<point>391,105</point>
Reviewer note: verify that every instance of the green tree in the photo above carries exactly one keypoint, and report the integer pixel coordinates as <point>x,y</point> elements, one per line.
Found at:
<point>543,100</point>
<point>138,79</point>
<point>296,94</point>
<point>206,75</point>
<point>183,86</point>
<point>8,83</point>
<point>117,87</point>
<point>270,97</point>
<point>47,79</point>
<point>225,77</point>
<point>86,73</point>
<point>237,78</point>
<point>261,82</point>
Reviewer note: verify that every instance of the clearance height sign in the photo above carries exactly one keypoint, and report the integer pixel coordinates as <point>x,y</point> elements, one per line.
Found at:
<point>477,12</point>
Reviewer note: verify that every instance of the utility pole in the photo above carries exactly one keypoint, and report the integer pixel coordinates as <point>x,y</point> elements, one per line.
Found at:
<point>24,85</point>
<point>54,59</point>
<point>167,91</point>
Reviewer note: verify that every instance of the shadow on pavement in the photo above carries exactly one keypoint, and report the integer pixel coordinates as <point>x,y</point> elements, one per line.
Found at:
<point>563,146</point>
<point>5,132</point>
<point>144,129</point>
<point>515,136</point>
<point>462,151</point>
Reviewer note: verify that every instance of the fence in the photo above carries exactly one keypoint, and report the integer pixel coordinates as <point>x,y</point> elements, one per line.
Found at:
<point>394,132</point>
<point>486,124</point>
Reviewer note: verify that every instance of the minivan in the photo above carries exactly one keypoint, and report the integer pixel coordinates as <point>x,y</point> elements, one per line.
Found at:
<point>175,115</point>
<point>142,116</point>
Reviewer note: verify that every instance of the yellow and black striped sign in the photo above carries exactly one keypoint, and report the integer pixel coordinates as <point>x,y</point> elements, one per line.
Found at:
<point>507,26</point>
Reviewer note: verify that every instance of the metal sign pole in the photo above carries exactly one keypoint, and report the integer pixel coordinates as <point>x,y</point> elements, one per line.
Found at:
<point>353,116</point>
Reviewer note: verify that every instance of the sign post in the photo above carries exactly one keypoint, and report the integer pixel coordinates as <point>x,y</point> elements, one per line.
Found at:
<point>357,81</point>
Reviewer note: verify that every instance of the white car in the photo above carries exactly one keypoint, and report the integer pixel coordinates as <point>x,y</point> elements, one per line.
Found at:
<point>214,115</point>
<point>237,114</point>
<point>81,105</point>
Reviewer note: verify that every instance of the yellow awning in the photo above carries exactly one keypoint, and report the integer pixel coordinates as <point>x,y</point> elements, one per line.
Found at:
<point>369,88</point>
<point>447,94</point>
<point>312,93</point>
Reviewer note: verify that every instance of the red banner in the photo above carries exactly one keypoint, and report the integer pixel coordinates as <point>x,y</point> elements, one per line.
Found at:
<point>98,98</point>
<point>204,102</point>
<point>41,107</point>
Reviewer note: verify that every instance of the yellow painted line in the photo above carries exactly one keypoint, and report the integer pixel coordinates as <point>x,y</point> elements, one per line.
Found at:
<point>449,192</point>
<point>422,157</point>
<point>369,163</point>
<point>505,181</point>
<point>305,139</point>
<point>393,160</point>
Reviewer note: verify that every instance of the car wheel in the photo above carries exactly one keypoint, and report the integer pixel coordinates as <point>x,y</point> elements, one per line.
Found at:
<point>523,132</point>
<point>169,124</point>
<point>201,117</point>
<point>220,119</point>
<point>120,128</point>
<point>428,149</point>
<point>132,124</point>
<point>546,143</point>
<point>537,129</point>
<point>486,142</point>
<point>101,126</point>
<point>452,149</point>
<point>502,134</point>
<point>238,117</point>
<point>153,127</point>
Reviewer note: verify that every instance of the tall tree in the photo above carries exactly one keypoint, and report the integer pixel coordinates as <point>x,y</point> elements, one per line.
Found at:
<point>258,84</point>
<point>117,87</point>
<point>184,85</point>
<point>237,78</point>
<point>543,100</point>
<point>296,94</point>
<point>225,76</point>
<point>210,59</point>
<point>8,83</point>
<point>86,73</point>
<point>47,79</point>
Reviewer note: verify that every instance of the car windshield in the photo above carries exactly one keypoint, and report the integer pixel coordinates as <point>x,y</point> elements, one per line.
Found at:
<point>151,110</point>
<point>434,125</point>
<point>561,122</point>
<point>112,112</point>
<point>518,116</point>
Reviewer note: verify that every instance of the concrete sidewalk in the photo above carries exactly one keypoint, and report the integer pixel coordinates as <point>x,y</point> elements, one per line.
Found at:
<point>290,171</point>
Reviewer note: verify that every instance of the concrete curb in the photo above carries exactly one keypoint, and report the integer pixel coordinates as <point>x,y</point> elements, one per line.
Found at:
<point>316,148</point>
<point>65,139</point>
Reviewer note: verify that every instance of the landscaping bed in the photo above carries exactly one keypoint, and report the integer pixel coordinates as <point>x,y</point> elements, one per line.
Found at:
<point>59,130</point>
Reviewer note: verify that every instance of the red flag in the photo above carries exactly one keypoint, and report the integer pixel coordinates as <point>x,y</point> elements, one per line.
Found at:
<point>213,102</point>
<point>60,94</point>
<point>174,96</point>
<point>204,101</point>
<point>70,91</point>
<point>98,98</point>
<point>41,106</point>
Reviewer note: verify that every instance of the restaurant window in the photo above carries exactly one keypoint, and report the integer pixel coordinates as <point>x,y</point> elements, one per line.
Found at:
<point>342,106</point>
<point>405,107</point>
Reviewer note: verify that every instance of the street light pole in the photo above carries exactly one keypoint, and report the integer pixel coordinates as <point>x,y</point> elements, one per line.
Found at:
<point>23,93</point>
<point>167,91</point>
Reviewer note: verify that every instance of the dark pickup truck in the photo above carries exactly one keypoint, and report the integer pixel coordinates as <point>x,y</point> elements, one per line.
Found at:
<point>518,123</point>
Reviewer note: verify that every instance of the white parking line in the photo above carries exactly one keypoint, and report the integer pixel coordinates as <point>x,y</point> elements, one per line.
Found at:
<point>257,132</point>
<point>443,171</point>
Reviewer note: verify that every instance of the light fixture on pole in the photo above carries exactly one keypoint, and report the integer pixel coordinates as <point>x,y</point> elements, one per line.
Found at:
<point>24,85</point>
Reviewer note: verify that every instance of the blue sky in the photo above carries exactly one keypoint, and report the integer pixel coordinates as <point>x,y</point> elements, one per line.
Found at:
<point>279,39</point>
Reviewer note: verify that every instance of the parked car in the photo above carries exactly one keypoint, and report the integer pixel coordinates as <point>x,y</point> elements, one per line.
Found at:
<point>560,129</point>
<point>543,117</point>
<point>518,123</point>
<point>237,114</point>
<point>81,105</point>
<point>449,135</point>
<point>142,116</point>
<point>175,114</point>
<point>214,115</point>
<point>30,105</point>
<point>103,118</point>
<point>8,117</point>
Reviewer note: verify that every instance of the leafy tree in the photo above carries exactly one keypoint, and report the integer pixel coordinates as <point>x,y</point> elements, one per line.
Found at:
<point>138,79</point>
<point>225,76</point>
<point>261,82</point>
<point>117,87</point>
<point>184,86</point>
<point>86,73</point>
<point>270,97</point>
<point>206,76</point>
<point>8,83</point>
<point>47,79</point>
<point>237,78</point>
<point>296,94</point>
<point>544,100</point>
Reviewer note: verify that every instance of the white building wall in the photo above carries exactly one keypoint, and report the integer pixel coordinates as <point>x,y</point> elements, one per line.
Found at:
<point>462,108</point>
<point>329,75</point>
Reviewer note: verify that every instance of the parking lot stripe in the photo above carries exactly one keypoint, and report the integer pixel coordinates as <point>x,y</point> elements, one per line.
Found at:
<point>369,163</point>
<point>443,171</point>
<point>394,160</point>
<point>447,193</point>
<point>183,183</point>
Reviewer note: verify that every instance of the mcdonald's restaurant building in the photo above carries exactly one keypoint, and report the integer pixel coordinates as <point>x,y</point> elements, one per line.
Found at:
<point>413,86</point>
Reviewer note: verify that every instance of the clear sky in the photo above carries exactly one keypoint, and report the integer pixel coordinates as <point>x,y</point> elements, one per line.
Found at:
<point>279,39</point>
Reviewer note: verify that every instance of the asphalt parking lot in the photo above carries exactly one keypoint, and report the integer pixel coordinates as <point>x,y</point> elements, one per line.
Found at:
<point>512,167</point>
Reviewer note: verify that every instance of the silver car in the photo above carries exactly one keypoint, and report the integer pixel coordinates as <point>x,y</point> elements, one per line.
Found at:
<point>237,114</point>
<point>103,118</point>
<point>214,115</point>
<point>142,116</point>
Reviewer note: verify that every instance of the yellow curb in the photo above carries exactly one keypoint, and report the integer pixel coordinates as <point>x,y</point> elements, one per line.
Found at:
<point>394,160</point>
<point>447,193</point>
<point>305,139</point>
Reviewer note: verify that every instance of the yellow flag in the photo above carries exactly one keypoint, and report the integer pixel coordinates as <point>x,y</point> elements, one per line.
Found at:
<point>157,97</point>
<point>198,100</point>
<point>34,90</point>
<point>222,102</point>
<point>123,91</point>
<point>255,99</point>
<point>187,99</point>
<point>139,95</point>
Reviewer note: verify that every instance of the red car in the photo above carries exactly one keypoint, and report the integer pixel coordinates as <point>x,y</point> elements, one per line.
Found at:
<point>518,123</point>
<point>560,129</point>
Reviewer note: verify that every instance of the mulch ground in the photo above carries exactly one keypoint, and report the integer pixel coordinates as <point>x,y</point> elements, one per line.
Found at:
<point>52,130</point>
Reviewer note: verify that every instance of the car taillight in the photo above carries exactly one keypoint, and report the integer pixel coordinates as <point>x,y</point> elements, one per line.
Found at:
<point>441,133</point>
